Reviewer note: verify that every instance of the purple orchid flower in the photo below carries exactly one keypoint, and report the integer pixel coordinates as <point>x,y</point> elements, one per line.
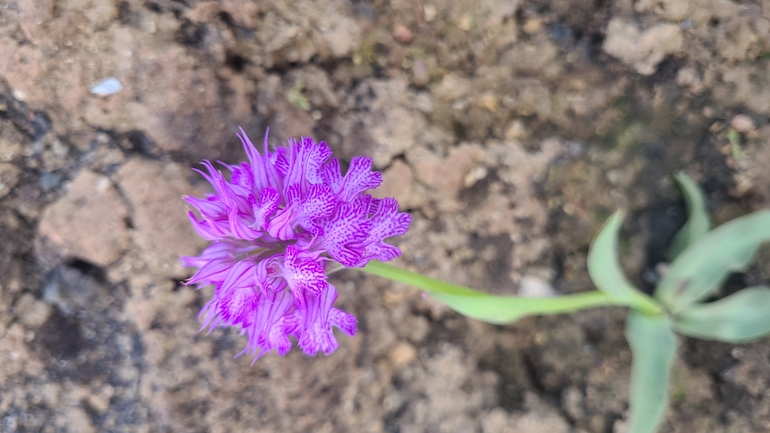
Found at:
<point>275,226</point>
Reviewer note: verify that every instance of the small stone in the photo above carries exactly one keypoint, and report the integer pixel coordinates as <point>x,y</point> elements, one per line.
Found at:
<point>19,95</point>
<point>76,419</point>
<point>162,231</point>
<point>108,86</point>
<point>475,175</point>
<point>490,101</point>
<point>533,286</point>
<point>15,354</point>
<point>642,49</point>
<point>402,354</point>
<point>532,26</point>
<point>89,222</point>
<point>31,312</point>
<point>420,73</point>
<point>11,141</point>
<point>343,38</point>
<point>9,176</point>
<point>620,426</point>
<point>465,23</point>
<point>100,401</point>
<point>397,182</point>
<point>572,401</point>
<point>402,34</point>
<point>743,123</point>
<point>448,175</point>
<point>515,130</point>
<point>429,12</point>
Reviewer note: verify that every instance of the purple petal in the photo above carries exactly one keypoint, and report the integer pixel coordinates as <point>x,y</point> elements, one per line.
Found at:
<point>266,332</point>
<point>319,203</point>
<point>303,274</point>
<point>239,306</point>
<point>281,163</point>
<point>206,229</point>
<point>306,158</point>
<point>214,270</point>
<point>347,226</point>
<point>268,204</point>
<point>359,178</point>
<point>263,173</point>
<point>278,339</point>
<point>316,334</point>
<point>386,222</point>
<point>241,274</point>
<point>345,321</point>
<point>240,227</point>
<point>332,175</point>
<point>207,207</point>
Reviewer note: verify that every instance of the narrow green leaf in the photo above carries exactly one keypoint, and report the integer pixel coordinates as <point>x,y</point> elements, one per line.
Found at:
<point>484,307</point>
<point>507,309</point>
<point>653,346</point>
<point>704,265</point>
<point>740,317</point>
<point>698,221</point>
<point>606,273</point>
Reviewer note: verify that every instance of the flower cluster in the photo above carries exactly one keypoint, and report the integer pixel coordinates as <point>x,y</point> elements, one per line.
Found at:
<point>276,225</point>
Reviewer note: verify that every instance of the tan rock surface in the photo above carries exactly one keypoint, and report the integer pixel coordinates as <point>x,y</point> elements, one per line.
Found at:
<point>89,222</point>
<point>162,231</point>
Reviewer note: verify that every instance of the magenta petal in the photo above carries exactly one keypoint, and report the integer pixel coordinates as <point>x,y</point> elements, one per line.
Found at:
<point>239,306</point>
<point>268,204</point>
<point>346,322</point>
<point>347,226</point>
<point>213,271</point>
<point>319,203</point>
<point>359,178</point>
<point>386,222</point>
<point>303,273</point>
<point>332,175</point>
<point>316,334</point>
<point>242,274</point>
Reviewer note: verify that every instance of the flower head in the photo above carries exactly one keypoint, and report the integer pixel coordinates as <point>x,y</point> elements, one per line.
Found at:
<point>275,225</point>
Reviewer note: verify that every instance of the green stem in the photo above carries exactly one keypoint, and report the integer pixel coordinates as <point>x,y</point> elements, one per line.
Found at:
<point>490,308</point>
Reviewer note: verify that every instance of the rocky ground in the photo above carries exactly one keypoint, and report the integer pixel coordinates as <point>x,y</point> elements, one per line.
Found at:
<point>509,129</point>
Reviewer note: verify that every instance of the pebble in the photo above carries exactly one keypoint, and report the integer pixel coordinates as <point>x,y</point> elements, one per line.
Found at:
<point>420,73</point>
<point>108,86</point>
<point>535,287</point>
<point>402,354</point>
<point>742,123</point>
<point>429,12</point>
<point>9,176</point>
<point>402,34</point>
<point>88,221</point>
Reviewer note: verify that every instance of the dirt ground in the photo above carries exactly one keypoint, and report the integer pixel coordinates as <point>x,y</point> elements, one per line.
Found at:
<point>510,129</point>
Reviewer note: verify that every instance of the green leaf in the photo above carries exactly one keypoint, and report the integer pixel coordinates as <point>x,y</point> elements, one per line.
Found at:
<point>740,317</point>
<point>653,346</point>
<point>706,264</point>
<point>606,273</point>
<point>698,222</point>
<point>484,307</point>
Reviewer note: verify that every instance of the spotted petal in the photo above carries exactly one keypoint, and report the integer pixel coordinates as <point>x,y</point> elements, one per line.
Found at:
<point>386,222</point>
<point>303,274</point>
<point>346,227</point>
